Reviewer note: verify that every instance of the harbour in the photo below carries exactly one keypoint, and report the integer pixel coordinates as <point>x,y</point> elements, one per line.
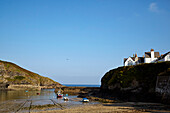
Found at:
<point>36,101</point>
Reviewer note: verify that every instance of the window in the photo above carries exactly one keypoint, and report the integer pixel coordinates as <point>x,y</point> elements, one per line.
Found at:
<point>130,63</point>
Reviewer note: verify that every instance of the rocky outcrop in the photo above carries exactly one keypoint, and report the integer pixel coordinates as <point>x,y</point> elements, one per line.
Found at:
<point>77,90</point>
<point>134,82</point>
<point>14,77</point>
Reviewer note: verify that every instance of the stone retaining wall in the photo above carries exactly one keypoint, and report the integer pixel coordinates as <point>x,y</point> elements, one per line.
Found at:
<point>23,87</point>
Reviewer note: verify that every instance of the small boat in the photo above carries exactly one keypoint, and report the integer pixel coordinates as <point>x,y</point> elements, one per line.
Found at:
<point>59,95</point>
<point>85,100</point>
<point>66,98</point>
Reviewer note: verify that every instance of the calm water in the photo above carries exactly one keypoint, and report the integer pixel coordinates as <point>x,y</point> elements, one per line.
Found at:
<point>22,95</point>
<point>15,95</point>
<point>43,98</point>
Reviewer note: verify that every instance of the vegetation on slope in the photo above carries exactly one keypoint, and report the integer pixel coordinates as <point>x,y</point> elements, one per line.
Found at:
<point>14,74</point>
<point>145,76</point>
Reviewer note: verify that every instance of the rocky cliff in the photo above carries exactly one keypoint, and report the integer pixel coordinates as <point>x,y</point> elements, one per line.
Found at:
<point>134,81</point>
<point>12,75</point>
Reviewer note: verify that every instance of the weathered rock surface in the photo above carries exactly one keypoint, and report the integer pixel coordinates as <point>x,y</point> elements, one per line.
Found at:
<point>78,90</point>
<point>134,82</point>
<point>14,77</point>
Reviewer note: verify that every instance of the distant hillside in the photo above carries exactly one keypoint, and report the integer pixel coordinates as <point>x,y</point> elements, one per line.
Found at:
<point>127,81</point>
<point>11,73</point>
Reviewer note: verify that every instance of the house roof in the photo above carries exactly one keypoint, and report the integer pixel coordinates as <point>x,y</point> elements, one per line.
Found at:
<point>140,59</point>
<point>166,54</point>
<point>163,55</point>
<point>148,54</point>
<point>127,58</point>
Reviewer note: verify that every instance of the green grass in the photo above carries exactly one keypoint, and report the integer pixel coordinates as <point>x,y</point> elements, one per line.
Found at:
<point>19,77</point>
<point>26,75</point>
<point>143,73</point>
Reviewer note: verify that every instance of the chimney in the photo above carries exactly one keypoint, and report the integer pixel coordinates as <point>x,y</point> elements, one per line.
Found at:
<point>136,58</point>
<point>133,55</point>
<point>152,54</point>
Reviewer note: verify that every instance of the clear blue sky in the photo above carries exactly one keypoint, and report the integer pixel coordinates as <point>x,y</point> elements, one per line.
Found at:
<point>78,41</point>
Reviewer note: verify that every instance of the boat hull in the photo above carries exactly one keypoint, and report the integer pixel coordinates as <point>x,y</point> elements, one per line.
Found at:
<point>59,95</point>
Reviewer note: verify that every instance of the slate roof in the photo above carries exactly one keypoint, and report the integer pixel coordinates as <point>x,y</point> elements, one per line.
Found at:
<point>140,59</point>
<point>163,56</point>
<point>148,54</point>
<point>125,59</point>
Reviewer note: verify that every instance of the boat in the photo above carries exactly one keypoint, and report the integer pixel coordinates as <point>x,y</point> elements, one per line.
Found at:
<point>66,98</point>
<point>85,100</point>
<point>59,95</point>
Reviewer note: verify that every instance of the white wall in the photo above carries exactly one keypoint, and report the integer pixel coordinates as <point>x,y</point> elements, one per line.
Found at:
<point>167,57</point>
<point>152,55</point>
<point>149,60</point>
<point>127,62</point>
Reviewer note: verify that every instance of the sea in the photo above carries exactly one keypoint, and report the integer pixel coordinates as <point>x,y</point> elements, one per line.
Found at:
<point>80,85</point>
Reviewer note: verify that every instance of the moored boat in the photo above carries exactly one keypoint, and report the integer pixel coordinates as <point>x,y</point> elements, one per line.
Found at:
<point>85,100</point>
<point>66,98</point>
<point>59,95</point>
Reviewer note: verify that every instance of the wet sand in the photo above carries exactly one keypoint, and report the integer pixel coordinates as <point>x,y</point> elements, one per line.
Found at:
<point>76,106</point>
<point>129,107</point>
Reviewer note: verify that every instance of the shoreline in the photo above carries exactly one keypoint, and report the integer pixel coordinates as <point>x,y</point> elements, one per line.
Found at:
<point>31,106</point>
<point>75,105</point>
<point>113,107</point>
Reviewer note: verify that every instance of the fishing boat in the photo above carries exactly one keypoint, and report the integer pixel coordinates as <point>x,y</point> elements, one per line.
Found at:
<point>85,100</point>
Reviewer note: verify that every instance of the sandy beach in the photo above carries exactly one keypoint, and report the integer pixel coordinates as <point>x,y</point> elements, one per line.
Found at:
<point>76,106</point>
<point>129,107</point>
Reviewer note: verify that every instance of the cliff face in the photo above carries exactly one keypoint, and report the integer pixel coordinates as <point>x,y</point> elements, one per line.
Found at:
<point>12,74</point>
<point>139,79</point>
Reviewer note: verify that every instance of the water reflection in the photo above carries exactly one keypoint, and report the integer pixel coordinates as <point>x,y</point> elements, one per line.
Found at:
<point>39,97</point>
<point>13,95</point>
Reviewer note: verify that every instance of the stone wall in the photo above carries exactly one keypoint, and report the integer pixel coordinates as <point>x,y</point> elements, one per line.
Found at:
<point>163,85</point>
<point>23,87</point>
<point>77,90</point>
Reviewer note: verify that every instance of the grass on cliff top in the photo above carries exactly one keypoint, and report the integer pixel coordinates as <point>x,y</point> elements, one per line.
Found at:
<point>13,67</point>
<point>143,73</point>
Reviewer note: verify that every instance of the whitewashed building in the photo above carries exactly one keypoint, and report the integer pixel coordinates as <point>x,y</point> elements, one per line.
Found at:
<point>165,57</point>
<point>149,57</point>
<point>133,60</point>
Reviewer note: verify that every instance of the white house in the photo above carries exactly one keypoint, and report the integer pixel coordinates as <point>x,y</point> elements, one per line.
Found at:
<point>165,57</point>
<point>133,60</point>
<point>150,57</point>
<point>129,62</point>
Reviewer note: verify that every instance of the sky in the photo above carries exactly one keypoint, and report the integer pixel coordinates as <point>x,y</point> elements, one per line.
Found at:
<point>78,41</point>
